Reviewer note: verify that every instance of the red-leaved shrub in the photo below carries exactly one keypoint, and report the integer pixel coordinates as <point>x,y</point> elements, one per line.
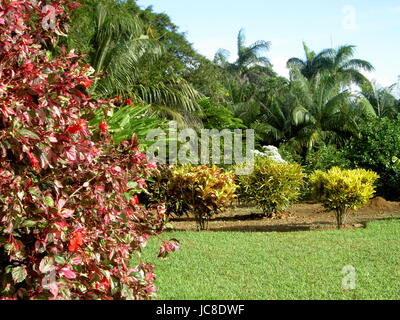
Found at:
<point>69,218</point>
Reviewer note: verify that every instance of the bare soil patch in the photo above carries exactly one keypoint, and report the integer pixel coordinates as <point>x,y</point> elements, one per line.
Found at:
<point>300,217</point>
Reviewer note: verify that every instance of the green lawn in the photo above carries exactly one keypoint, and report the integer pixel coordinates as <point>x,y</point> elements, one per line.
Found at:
<point>264,266</point>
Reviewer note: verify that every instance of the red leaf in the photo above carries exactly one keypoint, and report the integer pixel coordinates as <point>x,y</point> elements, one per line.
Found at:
<point>129,102</point>
<point>87,83</point>
<point>74,129</point>
<point>76,241</point>
<point>103,127</point>
<point>53,286</point>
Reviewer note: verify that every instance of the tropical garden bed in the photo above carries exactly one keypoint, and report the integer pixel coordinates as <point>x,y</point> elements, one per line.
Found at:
<point>300,217</point>
<point>84,87</point>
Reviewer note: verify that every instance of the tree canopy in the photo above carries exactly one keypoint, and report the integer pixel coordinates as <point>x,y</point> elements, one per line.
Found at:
<point>140,54</point>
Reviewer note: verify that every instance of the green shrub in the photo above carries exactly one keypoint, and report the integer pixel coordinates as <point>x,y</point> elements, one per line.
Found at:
<point>128,120</point>
<point>216,116</point>
<point>202,191</point>
<point>325,158</point>
<point>272,186</point>
<point>341,190</point>
<point>377,149</point>
<point>289,154</point>
<point>158,192</point>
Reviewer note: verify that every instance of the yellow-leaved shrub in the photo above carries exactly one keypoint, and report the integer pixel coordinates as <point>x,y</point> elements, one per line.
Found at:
<point>343,190</point>
<point>272,186</point>
<point>205,191</point>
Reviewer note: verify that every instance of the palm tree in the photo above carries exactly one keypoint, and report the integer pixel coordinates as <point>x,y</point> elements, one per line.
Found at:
<point>125,58</point>
<point>251,64</point>
<point>380,101</point>
<point>241,99</point>
<point>337,62</point>
<point>341,64</point>
<point>312,64</point>
<point>273,123</point>
<point>321,112</point>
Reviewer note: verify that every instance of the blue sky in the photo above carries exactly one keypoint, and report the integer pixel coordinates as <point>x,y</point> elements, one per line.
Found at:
<point>373,26</point>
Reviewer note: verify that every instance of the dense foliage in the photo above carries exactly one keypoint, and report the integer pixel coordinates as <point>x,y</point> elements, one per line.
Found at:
<point>325,158</point>
<point>75,111</point>
<point>141,54</point>
<point>201,191</point>
<point>219,117</point>
<point>342,190</point>
<point>377,148</point>
<point>127,119</point>
<point>130,58</point>
<point>272,186</point>
<point>69,219</point>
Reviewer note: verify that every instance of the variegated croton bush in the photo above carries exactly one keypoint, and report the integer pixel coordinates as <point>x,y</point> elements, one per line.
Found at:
<point>70,221</point>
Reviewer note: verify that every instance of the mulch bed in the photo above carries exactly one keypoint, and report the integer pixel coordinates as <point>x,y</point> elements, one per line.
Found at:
<point>300,217</point>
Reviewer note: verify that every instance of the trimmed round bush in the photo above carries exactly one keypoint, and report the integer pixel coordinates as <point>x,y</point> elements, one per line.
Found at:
<point>272,186</point>
<point>201,191</point>
<point>342,190</point>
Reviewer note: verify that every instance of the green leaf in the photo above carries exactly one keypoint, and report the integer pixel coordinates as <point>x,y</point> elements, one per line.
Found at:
<point>60,259</point>
<point>169,226</point>
<point>132,185</point>
<point>19,274</point>
<point>127,196</point>
<point>127,292</point>
<point>29,223</point>
<point>34,192</point>
<point>28,134</point>
<point>49,201</point>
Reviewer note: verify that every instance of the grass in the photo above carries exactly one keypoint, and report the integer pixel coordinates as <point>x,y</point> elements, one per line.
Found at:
<point>270,266</point>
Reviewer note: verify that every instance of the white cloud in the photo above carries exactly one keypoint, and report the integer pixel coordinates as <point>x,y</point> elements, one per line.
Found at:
<point>384,81</point>
<point>208,47</point>
<point>279,63</point>
<point>381,79</point>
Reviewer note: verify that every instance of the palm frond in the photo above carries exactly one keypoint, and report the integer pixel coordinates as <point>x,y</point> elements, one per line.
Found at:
<point>125,58</point>
<point>358,64</point>
<point>343,53</point>
<point>221,57</point>
<point>126,121</point>
<point>295,62</point>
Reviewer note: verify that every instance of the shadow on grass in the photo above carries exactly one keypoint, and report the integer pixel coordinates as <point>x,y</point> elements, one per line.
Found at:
<point>270,228</point>
<point>280,227</point>
<point>252,216</point>
<point>283,228</point>
<point>299,227</point>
